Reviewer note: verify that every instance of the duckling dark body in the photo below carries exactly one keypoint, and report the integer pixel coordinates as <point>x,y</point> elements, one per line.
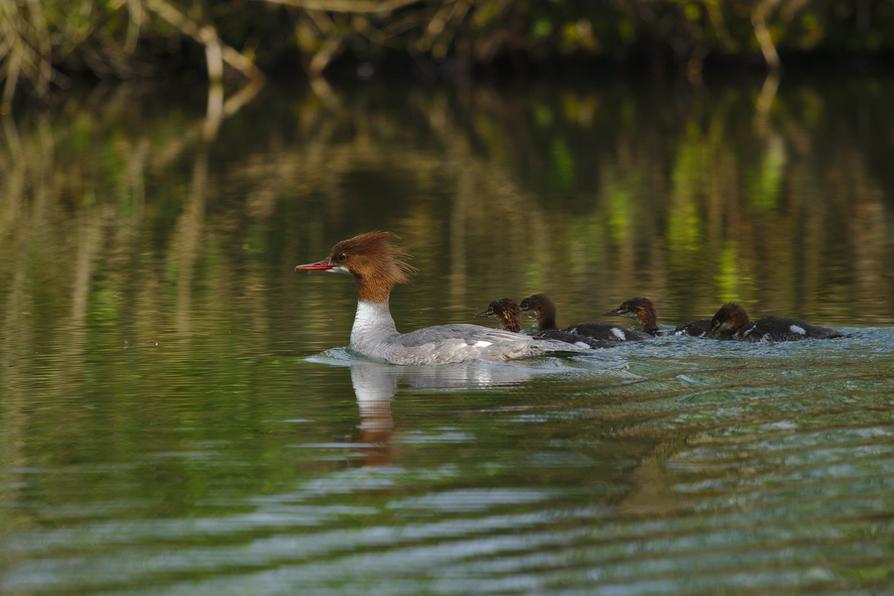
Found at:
<point>545,311</point>
<point>574,338</point>
<point>782,329</point>
<point>699,328</point>
<point>607,332</point>
<point>643,311</point>
<point>732,322</point>
<point>510,316</point>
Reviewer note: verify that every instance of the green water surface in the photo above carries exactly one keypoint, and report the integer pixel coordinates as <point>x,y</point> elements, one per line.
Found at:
<point>178,414</point>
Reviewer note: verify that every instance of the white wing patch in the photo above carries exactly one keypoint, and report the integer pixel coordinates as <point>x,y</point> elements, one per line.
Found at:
<point>573,330</point>
<point>619,333</point>
<point>797,329</point>
<point>483,344</point>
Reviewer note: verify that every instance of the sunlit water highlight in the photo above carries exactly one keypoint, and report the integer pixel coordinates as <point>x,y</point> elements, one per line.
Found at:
<point>176,419</point>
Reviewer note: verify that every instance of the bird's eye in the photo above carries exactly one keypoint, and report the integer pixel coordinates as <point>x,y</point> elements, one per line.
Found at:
<point>340,257</point>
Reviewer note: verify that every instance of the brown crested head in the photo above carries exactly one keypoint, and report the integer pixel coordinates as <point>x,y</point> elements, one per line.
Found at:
<point>507,311</point>
<point>640,308</point>
<point>543,308</point>
<point>730,318</point>
<point>372,259</point>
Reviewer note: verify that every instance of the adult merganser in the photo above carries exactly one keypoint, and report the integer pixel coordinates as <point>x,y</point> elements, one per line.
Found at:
<point>510,316</point>
<point>545,312</point>
<point>377,265</point>
<point>643,310</point>
<point>732,322</point>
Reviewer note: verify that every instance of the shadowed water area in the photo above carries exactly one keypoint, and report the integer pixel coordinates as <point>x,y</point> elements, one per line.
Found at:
<point>179,413</point>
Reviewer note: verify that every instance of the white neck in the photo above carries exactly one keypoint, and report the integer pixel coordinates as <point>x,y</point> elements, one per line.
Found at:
<point>372,325</point>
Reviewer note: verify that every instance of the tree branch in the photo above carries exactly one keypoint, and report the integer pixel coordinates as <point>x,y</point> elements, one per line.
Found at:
<point>207,36</point>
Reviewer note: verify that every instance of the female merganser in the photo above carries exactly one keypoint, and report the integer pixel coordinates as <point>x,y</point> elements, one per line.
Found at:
<point>643,310</point>
<point>545,313</point>
<point>731,321</point>
<point>510,316</point>
<point>377,266</point>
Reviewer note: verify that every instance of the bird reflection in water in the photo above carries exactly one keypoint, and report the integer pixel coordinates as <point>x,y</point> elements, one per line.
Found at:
<point>375,386</point>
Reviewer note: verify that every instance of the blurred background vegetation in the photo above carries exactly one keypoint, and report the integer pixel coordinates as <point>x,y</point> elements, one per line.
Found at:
<point>45,44</point>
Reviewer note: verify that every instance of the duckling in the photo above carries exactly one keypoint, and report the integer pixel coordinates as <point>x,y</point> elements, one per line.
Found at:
<point>643,310</point>
<point>545,312</point>
<point>732,322</point>
<point>510,315</point>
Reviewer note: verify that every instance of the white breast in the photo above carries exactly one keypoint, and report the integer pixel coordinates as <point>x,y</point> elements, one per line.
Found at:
<point>373,329</point>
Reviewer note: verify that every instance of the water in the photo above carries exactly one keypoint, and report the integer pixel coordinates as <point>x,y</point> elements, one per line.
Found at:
<point>178,414</point>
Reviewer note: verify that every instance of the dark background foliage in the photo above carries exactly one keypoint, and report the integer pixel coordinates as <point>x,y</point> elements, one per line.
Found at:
<point>47,43</point>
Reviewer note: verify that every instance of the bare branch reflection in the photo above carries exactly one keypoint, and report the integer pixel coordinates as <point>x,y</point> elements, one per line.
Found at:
<point>156,219</point>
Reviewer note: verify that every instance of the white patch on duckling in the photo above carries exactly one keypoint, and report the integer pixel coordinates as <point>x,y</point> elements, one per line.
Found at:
<point>581,344</point>
<point>619,333</point>
<point>797,329</point>
<point>483,344</point>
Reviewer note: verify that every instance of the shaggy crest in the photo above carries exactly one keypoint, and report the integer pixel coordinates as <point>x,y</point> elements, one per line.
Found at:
<point>374,261</point>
